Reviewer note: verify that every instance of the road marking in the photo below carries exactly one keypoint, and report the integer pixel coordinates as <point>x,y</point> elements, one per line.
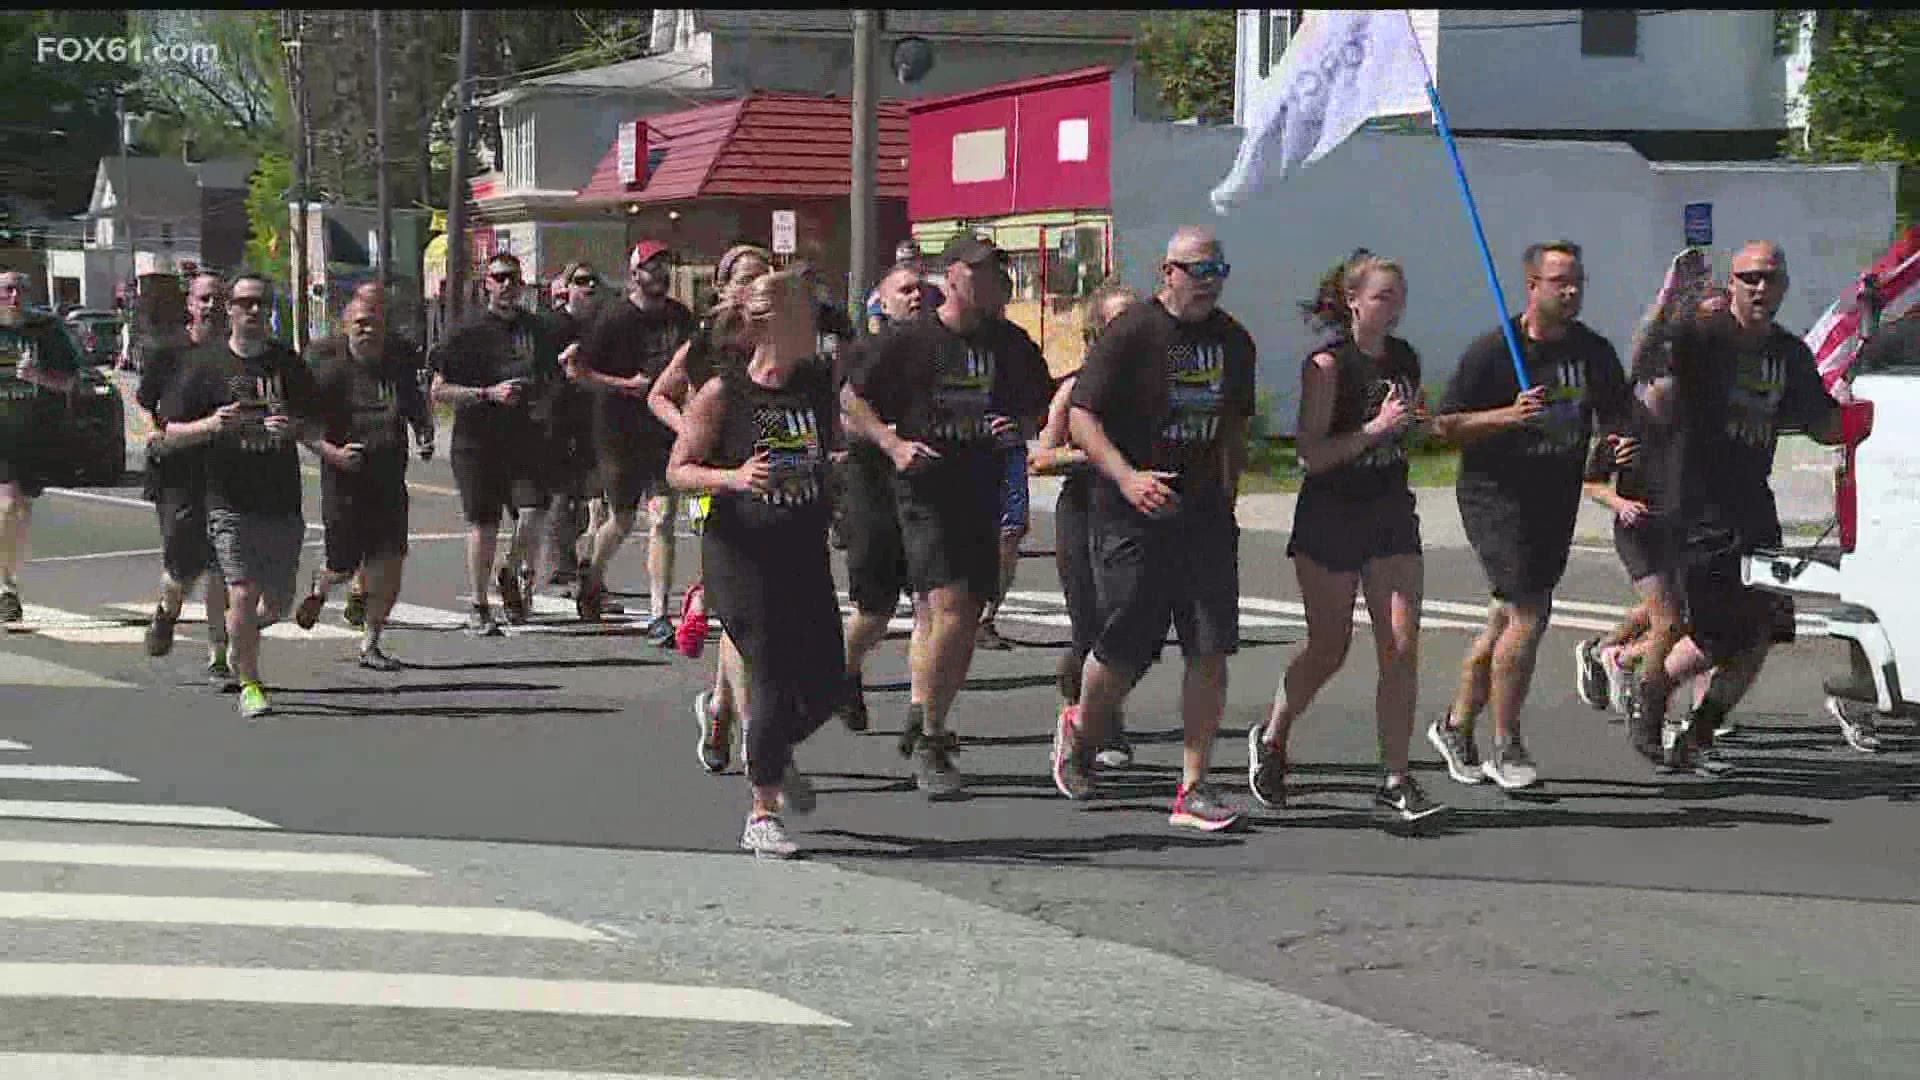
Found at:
<point>64,774</point>
<point>97,555</point>
<point>373,989</point>
<point>196,613</point>
<point>305,914</point>
<point>238,860</point>
<point>218,817</point>
<point>118,500</point>
<point>120,1067</point>
<point>17,670</point>
<point>9,744</point>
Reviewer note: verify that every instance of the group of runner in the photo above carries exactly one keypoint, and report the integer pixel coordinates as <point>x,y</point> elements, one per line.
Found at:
<point>911,443</point>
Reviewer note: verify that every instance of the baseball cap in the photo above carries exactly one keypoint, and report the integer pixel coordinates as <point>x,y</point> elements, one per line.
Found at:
<point>646,250</point>
<point>971,250</point>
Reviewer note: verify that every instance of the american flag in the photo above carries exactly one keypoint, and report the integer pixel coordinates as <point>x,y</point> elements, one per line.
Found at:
<point>1835,338</point>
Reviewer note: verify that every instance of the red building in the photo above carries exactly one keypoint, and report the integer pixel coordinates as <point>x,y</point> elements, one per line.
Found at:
<point>1027,164</point>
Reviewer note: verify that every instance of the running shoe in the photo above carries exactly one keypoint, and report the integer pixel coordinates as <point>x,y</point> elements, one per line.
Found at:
<point>1200,807</point>
<point>10,609</point>
<point>910,734</point>
<point>356,610</point>
<point>1857,725</point>
<point>219,675</point>
<point>1266,769</point>
<point>1619,680</point>
<point>308,613</point>
<point>1590,675</point>
<point>660,631</point>
<point>714,747</point>
<point>253,701</point>
<point>691,637</point>
<point>590,599</point>
<point>1405,801</point>
<point>767,838</point>
<point>988,637</point>
<point>160,632</point>
<point>1116,750</point>
<point>374,658</point>
<point>934,772</point>
<point>1457,749</point>
<point>480,622</point>
<point>852,710</point>
<point>1512,767</point>
<point>1644,730</point>
<point>1072,764</point>
<point>796,792</point>
<point>512,600</point>
<point>1727,727</point>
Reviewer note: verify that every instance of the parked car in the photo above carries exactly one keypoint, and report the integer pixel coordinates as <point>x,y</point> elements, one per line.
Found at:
<point>91,423</point>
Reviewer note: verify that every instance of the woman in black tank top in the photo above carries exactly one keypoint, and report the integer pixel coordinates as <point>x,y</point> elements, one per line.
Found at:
<point>1354,526</point>
<point>758,437</point>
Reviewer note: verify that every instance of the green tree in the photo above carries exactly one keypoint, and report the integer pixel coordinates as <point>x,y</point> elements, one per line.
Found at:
<point>1190,57</point>
<point>269,230</point>
<point>1862,102</point>
<point>57,119</point>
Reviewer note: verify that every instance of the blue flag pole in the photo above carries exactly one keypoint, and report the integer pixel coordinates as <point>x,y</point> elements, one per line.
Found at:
<point>1473,212</point>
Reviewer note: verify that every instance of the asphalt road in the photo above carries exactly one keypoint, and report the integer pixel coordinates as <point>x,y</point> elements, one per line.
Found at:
<point>1612,924</point>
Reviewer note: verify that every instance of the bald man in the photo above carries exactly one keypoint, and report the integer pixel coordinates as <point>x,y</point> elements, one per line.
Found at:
<point>37,365</point>
<point>369,292</point>
<point>1741,379</point>
<point>1162,407</point>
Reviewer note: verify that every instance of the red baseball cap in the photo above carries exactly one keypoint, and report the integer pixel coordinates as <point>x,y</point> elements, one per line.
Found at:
<point>646,250</point>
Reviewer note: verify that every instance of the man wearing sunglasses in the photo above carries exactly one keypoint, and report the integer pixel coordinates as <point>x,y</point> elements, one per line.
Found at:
<point>38,363</point>
<point>247,401</point>
<point>1161,408</point>
<point>625,350</point>
<point>570,428</point>
<point>491,369</point>
<point>1740,378</point>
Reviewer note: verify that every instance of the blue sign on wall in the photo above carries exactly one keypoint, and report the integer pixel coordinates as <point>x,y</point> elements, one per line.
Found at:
<point>1697,219</point>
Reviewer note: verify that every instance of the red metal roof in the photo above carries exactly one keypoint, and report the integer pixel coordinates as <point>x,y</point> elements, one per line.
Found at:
<point>762,144</point>
<point>1009,89</point>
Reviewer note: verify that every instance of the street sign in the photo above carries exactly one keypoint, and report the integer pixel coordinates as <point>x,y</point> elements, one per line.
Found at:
<point>785,232</point>
<point>1697,220</point>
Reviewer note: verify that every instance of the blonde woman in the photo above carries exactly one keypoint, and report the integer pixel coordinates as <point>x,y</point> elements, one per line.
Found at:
<point>757,437</point>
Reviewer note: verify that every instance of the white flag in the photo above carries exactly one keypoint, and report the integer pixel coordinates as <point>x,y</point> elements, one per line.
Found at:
<point>1342,68</point>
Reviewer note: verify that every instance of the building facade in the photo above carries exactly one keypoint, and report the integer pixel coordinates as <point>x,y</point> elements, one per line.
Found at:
<point>168,215</point>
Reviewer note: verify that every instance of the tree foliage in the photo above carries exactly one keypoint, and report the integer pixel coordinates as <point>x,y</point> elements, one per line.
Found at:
<point>1189,54</point>
<point>1862,102</point>
<point>58,119</point>
<point>269,231</point>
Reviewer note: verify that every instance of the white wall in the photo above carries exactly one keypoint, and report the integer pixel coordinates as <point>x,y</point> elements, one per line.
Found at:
<point>1396,194</point>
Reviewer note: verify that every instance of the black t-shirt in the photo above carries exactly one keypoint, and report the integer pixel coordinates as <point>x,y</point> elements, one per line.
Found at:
<point>1539,464</point>
<point>370,402</point>
<point>797,425</point>
<point>569,408</point>
<point>488,349</point>
<point>1362,384</point>
<point>248,470</point>
<point>1735,395</point>
<point>32,416</point>
<point>625,341</point>
<point>1161,388</point>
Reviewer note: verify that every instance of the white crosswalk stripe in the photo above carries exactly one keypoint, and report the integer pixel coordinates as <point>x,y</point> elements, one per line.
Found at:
<point>127,1067</point>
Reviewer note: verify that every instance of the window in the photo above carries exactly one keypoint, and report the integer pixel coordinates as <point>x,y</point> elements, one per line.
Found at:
<point>87,233</point>
<point>1073,140</point>
<point>1609,32</point>
<point>1276,30</point>
<point>980,156</point>
<point>166,234</point>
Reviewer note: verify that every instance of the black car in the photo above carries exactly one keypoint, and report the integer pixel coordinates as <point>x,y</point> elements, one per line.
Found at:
<point>96,430</point>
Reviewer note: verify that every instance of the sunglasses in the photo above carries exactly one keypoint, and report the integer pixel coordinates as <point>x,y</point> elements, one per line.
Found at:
<point>1205,269</point>
<point>247,303</point>
<point>586,281</point>
<point>504,276</point>
<point>1756,278</point>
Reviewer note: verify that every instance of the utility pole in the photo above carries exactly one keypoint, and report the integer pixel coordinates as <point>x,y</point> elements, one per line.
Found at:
<point>456,285</point>
<point>381,258</point>
<point>122,209</point>
<point>297,86</point>
<point>861,214</point>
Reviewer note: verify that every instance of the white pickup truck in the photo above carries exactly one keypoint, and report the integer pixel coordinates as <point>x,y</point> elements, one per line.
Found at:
<point>1872,576</point>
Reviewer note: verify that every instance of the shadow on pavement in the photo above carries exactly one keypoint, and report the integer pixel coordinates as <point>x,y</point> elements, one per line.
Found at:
<point>1021,849</point>
<point>426,688</point>
<point>326,710</point>
<point>533,665</point>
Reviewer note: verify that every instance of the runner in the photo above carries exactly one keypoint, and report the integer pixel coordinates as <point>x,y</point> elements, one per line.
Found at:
<point>1522,458</point>
<point>177,485</point>
<point>1739,379</point>
<point>1355,529</point>
<point>490,368</point>
<point>870,521</point>
<point>952,382</point>
<point>757,438</point>
<point>1055,455</point>
<point>1015,500</point>
<point>248,400</point>
<point>1161,408</point>
<point>715,345</point>
<point>625,350</point>
<point>355,612</point>
<point>367,397</point>
<point>40,365</point>
<point>569,429</point>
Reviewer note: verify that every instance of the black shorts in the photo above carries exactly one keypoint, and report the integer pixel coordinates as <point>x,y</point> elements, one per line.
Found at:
<point>25,473</point>
<point>950,525</point>
<point>1344,534</point>
<point>1650,549</point>
<point>364,525</point>
<point>185,551</point>
<point>1181,571</point>
<point>1727,616</point>
<point>1073,559</point>
<point>630,470</point>
<point>491,480</point>
<point>1522,550</point>
<point>870,526</point>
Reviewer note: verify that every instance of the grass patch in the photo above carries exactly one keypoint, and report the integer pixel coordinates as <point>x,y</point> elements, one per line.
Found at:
<point>1273,467</point>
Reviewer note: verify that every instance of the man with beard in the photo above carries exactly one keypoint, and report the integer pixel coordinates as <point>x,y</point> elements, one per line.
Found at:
<point>628,346</point>
<point>935,394</point>
<point>355,613</point>
<point>247,401</point>
<point>177,485</point>
<point>1522,468</point>
<point>368,393</point>
<point>1740,378</point>
<point>37,365</point>
<point>489,369</point>
<point>1161,408</point>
